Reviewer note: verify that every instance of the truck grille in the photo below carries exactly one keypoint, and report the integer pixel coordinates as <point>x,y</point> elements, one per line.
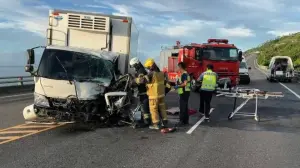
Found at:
<point>88,22</point>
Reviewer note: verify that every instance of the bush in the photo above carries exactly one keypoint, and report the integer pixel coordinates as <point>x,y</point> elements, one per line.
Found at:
<point>286,45</point>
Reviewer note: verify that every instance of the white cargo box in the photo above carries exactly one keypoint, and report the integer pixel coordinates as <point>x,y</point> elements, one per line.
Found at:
<point>94,31</point>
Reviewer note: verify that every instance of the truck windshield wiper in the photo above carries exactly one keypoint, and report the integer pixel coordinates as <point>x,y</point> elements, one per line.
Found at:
<point>64,69</point>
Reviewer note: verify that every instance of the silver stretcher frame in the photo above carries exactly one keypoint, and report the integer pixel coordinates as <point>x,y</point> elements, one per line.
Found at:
<point>247,94</point>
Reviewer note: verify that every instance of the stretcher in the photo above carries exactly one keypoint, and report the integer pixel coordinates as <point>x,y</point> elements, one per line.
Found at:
<point>247,94</point>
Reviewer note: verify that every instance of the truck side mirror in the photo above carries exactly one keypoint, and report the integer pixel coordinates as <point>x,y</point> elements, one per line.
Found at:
<point>240,55</point>
<point>30,58</point>
<point>198,54</point>
<point>249,68</point>
<point>29,68</point>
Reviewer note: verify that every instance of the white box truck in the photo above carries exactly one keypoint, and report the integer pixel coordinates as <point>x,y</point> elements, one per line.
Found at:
<point>84,52</point>
<point>96,32</point>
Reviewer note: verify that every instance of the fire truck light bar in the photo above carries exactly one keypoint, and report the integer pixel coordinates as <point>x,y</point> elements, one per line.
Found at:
<point>218,41</point>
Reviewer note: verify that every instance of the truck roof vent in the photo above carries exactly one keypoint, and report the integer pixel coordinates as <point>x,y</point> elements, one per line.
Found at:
<point>74,21</point>
<point>97,23</point>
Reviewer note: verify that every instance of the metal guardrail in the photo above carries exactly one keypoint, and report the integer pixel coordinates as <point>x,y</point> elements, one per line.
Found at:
<point>297,75</point>
<point>15,81</point>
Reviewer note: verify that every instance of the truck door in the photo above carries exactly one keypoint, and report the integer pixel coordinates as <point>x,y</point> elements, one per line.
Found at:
<point>195,65</point>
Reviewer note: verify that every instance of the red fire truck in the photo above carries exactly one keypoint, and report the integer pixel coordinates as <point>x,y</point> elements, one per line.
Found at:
<point>223,56</point>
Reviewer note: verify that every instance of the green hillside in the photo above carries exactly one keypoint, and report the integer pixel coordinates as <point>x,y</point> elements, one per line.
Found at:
<point>285,45</point>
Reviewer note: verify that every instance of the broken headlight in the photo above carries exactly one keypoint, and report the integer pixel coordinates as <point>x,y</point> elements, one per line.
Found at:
<point>41,100</point>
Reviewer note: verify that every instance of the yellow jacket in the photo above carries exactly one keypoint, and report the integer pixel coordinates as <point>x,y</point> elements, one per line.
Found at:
<point>156,85</point>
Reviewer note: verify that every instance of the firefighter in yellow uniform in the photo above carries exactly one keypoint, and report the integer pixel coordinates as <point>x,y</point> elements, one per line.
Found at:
<point>208,87</point>
<point>156,92</point>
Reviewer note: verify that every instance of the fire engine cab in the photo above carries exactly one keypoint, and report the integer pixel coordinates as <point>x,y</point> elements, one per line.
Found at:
<point>223,56</point>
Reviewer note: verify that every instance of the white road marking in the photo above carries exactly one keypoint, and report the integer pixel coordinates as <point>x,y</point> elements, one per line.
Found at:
<point>290,90</point>
<point>173,110</point>
<point>26,94</point>
<point>298,96</point>
<point>198,123</point>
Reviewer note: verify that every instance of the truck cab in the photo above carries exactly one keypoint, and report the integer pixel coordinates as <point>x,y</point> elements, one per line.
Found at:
<point>223,56</point>
<point>85,53</point>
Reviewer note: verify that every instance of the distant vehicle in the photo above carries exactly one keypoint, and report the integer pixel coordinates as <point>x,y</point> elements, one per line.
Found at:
<point>281,68</point>
<point>244,73</point>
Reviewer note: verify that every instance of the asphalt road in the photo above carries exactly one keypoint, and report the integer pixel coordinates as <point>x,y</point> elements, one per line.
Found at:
<point>242,142</point>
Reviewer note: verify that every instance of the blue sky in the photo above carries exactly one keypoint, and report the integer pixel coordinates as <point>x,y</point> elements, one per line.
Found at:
<point>246,23</point>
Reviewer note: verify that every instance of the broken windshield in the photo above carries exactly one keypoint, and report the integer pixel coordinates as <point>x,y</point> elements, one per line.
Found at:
<point>220,54</point>
<point>69,65</point>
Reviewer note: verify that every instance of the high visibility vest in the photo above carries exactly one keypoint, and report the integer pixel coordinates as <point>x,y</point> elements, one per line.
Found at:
<point>156,87</point>
<point>209,81</point>
<point>187,87</point>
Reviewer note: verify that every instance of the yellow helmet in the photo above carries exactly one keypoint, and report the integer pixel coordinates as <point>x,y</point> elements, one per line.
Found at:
<point>148,63</point>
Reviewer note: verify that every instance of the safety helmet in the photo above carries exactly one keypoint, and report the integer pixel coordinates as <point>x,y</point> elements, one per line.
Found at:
<point>148,63</point>
<point>134,61</point>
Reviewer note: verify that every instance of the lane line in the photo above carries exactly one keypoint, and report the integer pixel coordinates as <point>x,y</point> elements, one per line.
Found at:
<point>12,127</point>
<point>198,123</point>
<point>11,130</point>
<point>290,90</point>
<point>32,126</point>
<point>2,97</point>
<point>18,132</point>
<point>7,137</point>
<point>294,93</point>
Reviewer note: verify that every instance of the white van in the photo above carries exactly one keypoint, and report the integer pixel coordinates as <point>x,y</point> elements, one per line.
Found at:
<point>281,68</point>
<point>244,72</point>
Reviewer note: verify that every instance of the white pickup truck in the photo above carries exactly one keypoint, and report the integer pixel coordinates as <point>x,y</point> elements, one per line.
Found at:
<point>85,53</point>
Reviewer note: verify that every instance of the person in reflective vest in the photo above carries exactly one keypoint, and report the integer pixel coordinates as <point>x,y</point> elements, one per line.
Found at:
<point>183,88</point>
<point>208,81</point>
<point>142,89</point>
<point>155,81</point>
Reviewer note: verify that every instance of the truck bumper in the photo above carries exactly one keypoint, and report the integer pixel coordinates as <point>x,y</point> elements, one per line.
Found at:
<point>244,79</point>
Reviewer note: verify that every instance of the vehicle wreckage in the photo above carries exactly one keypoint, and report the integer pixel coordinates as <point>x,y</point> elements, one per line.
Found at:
<point>84,90</point>
<point>79,76</point>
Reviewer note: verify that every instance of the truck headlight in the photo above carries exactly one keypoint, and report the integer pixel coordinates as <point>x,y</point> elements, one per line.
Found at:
<point>41,100</point>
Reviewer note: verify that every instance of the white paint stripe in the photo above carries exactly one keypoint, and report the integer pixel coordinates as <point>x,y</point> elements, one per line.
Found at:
<point>298,96</point>
<point>26,94</point>
<point>198,123</point>
<point>290,90</point>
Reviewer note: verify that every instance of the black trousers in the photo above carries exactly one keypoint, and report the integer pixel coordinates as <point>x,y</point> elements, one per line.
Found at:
<point>205,99</point>
<point>183,103</point>
<point>145,109</point>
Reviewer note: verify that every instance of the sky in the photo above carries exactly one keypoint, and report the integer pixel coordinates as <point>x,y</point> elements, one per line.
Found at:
<point>246,23</point>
